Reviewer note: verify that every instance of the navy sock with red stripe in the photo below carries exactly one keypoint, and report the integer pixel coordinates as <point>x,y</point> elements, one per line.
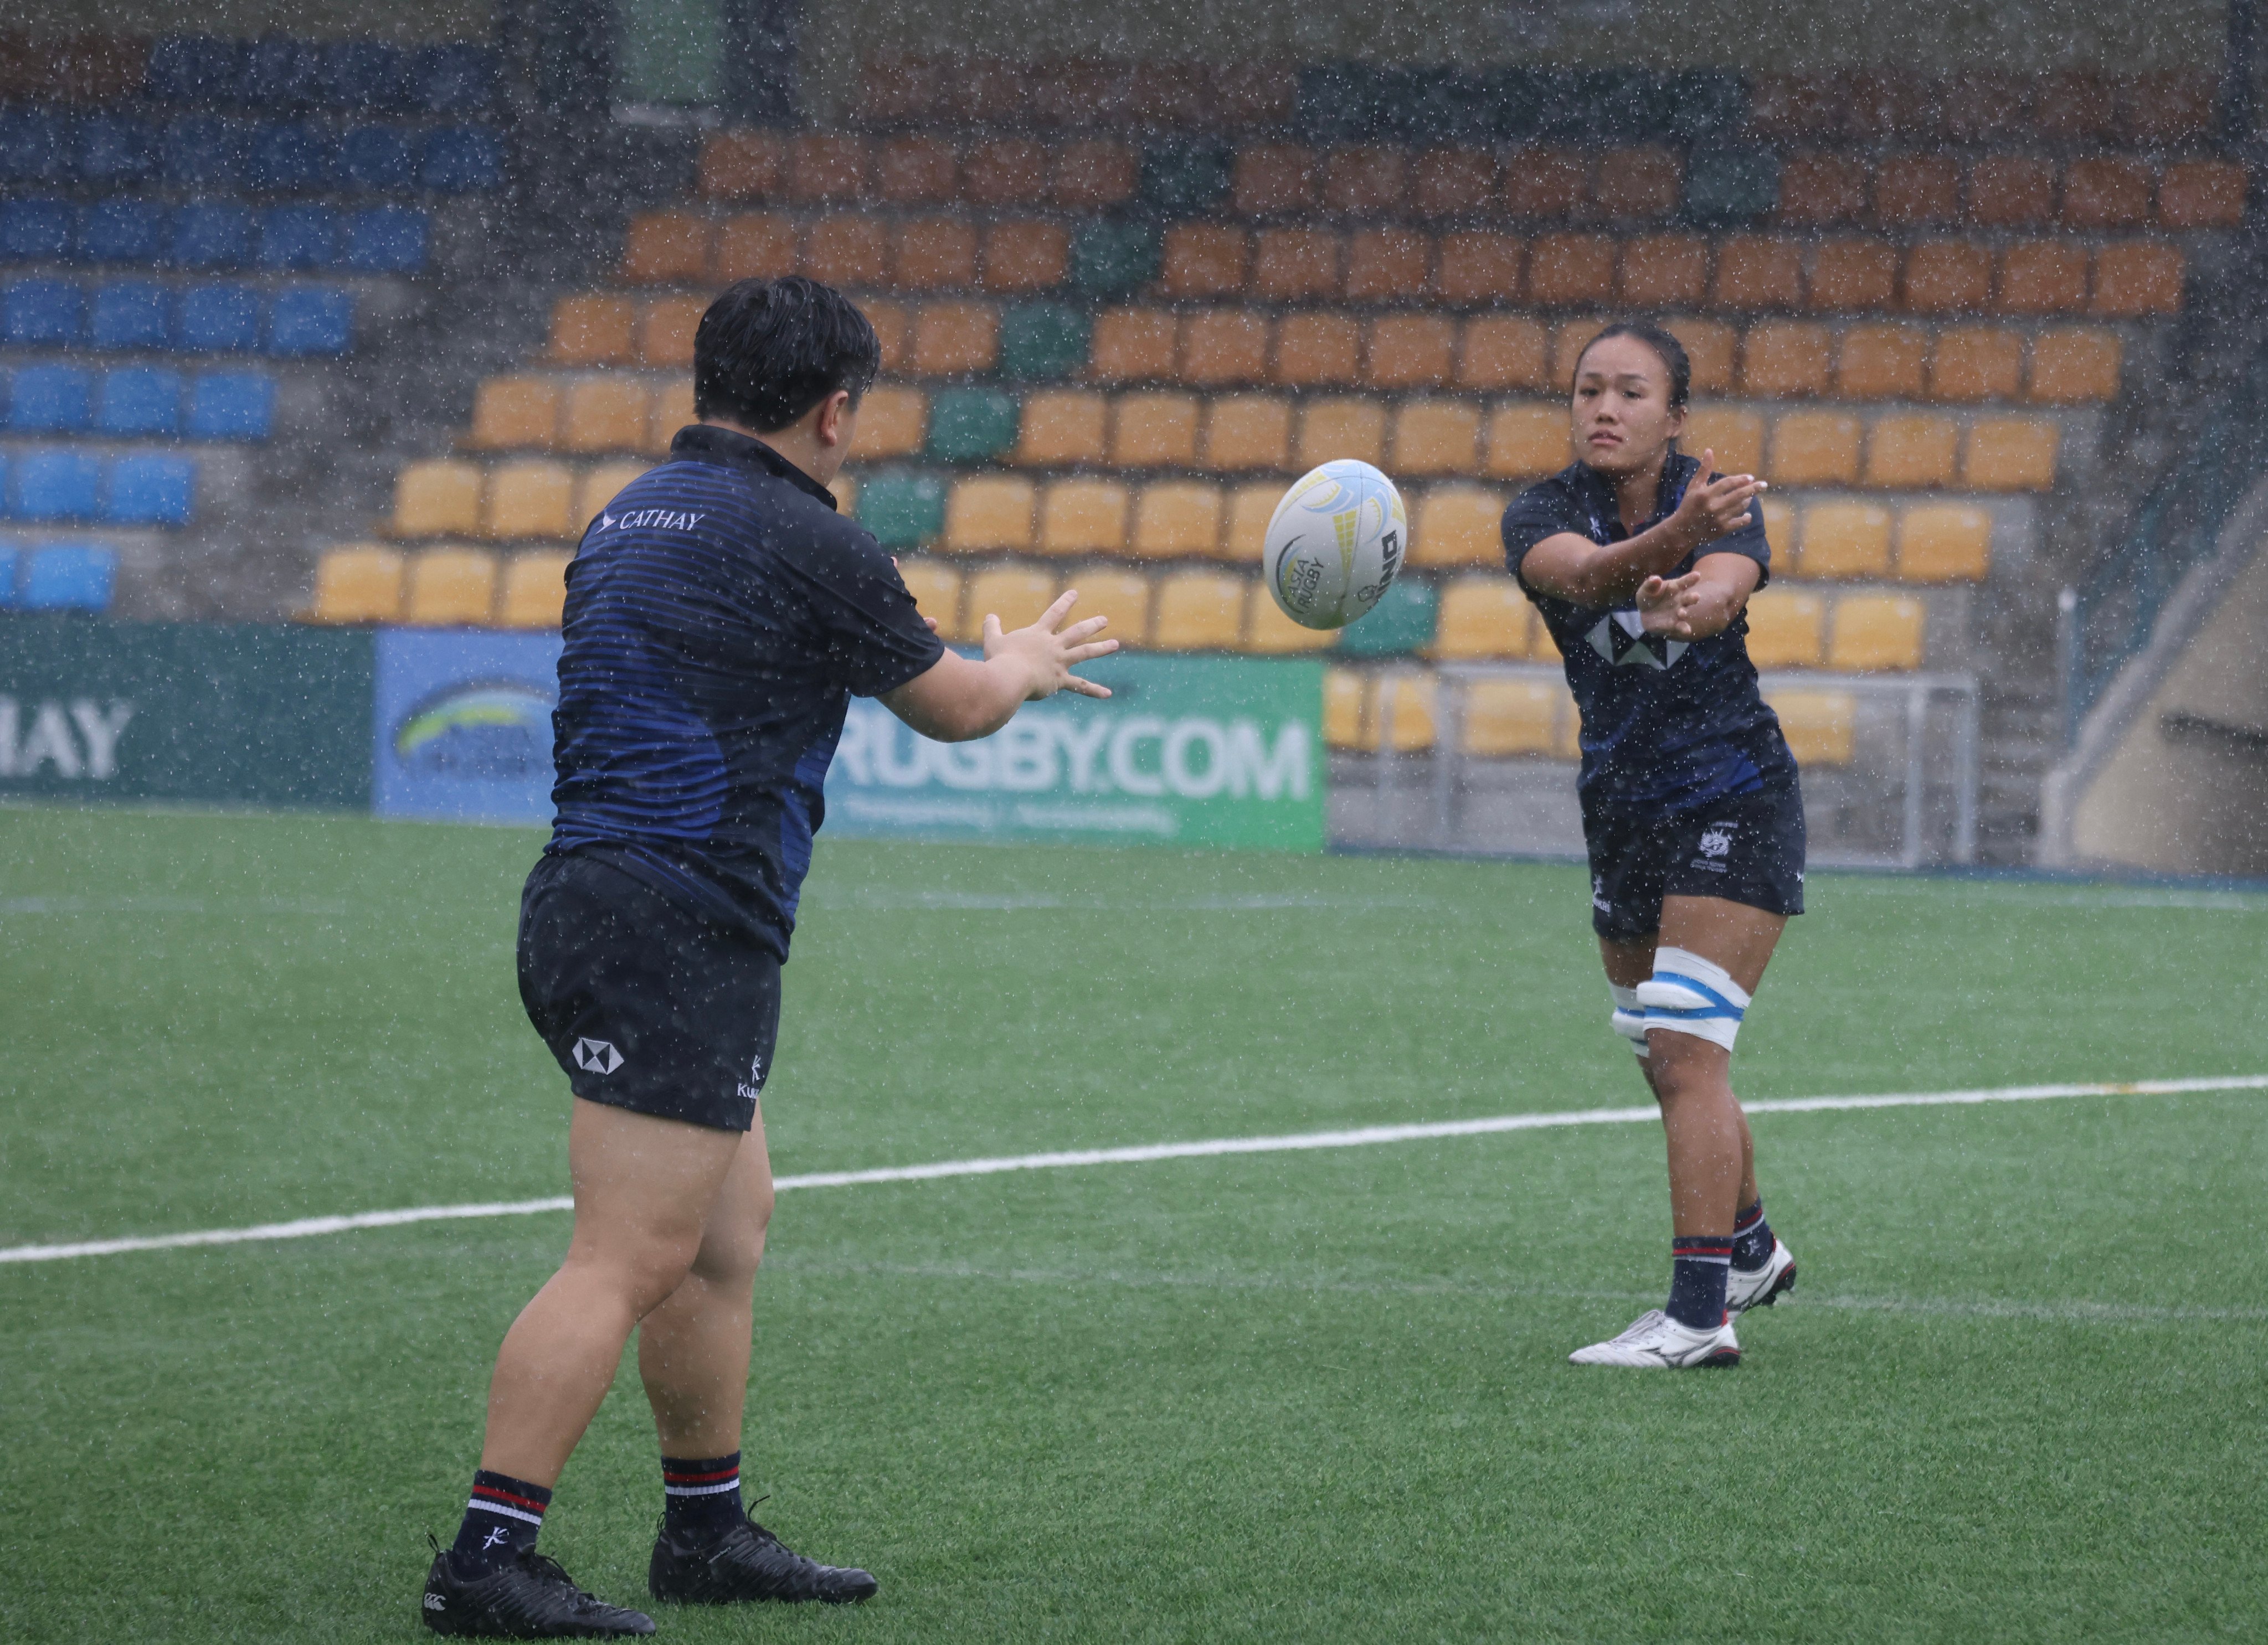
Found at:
<point>1752,1238</point>
<point>501,1522</point>
<point>701,1497</point>
<point>1698,1264</point>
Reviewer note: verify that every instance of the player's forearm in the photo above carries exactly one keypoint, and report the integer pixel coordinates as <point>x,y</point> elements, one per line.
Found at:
<point>1610,574</point>
<point>961,698</point>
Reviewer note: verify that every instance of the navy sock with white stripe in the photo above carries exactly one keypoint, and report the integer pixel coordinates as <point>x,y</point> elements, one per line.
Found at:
<point>1698,1264</point>
<point>701,1497</point>
<point>501,1522</point>
<point>1752,1239</point>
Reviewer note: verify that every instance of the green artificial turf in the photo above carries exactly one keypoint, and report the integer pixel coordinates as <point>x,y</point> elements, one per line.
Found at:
<point>1292,1396</point>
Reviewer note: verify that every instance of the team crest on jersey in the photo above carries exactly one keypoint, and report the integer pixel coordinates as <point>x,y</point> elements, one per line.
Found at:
<point>1716,840</point>
<point>1620,636</point>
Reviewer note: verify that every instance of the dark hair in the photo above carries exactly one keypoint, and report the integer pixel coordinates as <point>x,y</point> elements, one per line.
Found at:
<point>768,350</point>
<point>1671,350</point>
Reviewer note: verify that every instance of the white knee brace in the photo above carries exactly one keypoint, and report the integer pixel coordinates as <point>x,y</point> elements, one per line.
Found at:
<point>1688,994</point>
<point>1629,1016</point>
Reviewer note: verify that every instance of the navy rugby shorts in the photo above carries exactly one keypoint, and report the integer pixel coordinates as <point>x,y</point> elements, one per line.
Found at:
<point>1746,848</point>
<point>647,1005</point>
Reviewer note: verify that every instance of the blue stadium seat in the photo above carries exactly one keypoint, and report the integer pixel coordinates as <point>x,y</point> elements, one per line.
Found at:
<point>385,240</point>
<point>375,158</point>
<point>131,314</point>
<point>36,144</point>
<point>280,72</point>
<point>7,562</point>
<point>35,230</point>
<point>112,148</point>
<point>42,311</point>
<point>364,74</point>
<point>212,236</point>
<point>455,79</point>
<point>69,576</point>
<point>298,237</point>
<point>123,231</point>
<point>53,485</point>
<point>206,151</point>
<point>149,491</point>
<point>50,400</point>
<point>461,160</point>
<point>220,319</point>
<point>1726,185</point>
<point>194,69</point>
<point>140,400</point>
<point>288,159</point>
<point>231,406</point>
<point>311,320</point>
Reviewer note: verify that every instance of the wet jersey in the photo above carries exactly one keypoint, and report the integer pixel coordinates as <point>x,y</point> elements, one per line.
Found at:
<point>1669,726</point>
<point>720,615</point>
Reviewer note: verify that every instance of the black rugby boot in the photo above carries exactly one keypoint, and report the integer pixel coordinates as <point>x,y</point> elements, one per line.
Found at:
<point>749,1562</point>
<point>530,1598</point>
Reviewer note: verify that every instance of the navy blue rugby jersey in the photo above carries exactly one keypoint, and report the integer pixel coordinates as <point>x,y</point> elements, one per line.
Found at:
<point>720,616</point>
<point>1669,726</point>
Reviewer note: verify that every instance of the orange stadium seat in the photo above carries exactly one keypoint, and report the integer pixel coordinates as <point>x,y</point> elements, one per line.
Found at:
<point>1197,611</point>
<point>893,421</point>
<point>1480,270</point>
<point>955,339</point>
<point>1204,260</point>
<point>1316,349</point>
<point>1972,363</point>
<point>1084,517</point>
<point>1449,182</point>
<point>1786,357</point>
<point>1437,437</point>
<point>1637,183</point>
<point>604,414</point>
<point>1665,269</point>
<point>1814,448</point>
<point>666,328</point>
<point>436,499</point>
<point>1846,539</point>
<point>362,584</point>
<point>1873,633</point>
<point>845,490</point>
<point>671,409</point>
<point>824,166</point>
<point>1060,427</point>
<point>1333,428</point>
<point>2137,278</point>
<point>1017,595</point>
<point>848,249</point>
<point>1504,352</point>
<point>741,164</point>
<point>1457,525</point>
<point>1565,269</point>
<point>599,485</point>
<point>2075,365</point>
<point>1410,351</point>
<point>1291,264</point>
<point>1247,431</point>
<point>1910,452</point>
<point>1004,171</point>
<point>1502,718</point>
<point>1225,345</point>
<point>1095,173</point>
<point>1025,256</point>
<point>1883,362</point>
<point>533,594</point>
<point>529,499</point>
<point>985,513</point>
<point>1778,521</point>
<point>1756,273</point>
<point>2010,454</point>
<point>1115,592</point>
<point>1785,627</point>
<point>1822,189</point>
<point>1269,178</point>
<point>1244,530</point>
<point>1569,338</point>
<point>2104,192</point>
<point>1545,183</point>
<point>450,588</point>
<point>1949,278</point>
<point>1526,442</point>
<point>1736,436</point>
<point>1365,179</point>
<point>2043,277</point>
<point>755,246</point>
<point>1175,519</point>
<point>1480,617</point>
<point>1345,695</point>
<point>593,330</point>
<point>1154,430</point>
<point>936,252</point>
<point>515,414</point>
<point>1134,345</point>
<point>1402,714</point>
<point>1914,189</point>
<point>1389,265</point>
<point>1268,632</point>
<point>2011,191</point>
<point>916,171</point>
<point>1855,275</point>
<point>1820,726</point>
<point>1710,347</point>
<point>666,247</point>
<point>936,589</point>
<point>1945,542</point>
<point>2202,195</point>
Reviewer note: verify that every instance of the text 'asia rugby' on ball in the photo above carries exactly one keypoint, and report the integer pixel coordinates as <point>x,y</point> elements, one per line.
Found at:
<point>1335,543</point>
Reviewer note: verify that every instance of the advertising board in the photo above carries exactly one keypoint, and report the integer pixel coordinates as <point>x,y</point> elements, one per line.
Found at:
<point>460,727</point>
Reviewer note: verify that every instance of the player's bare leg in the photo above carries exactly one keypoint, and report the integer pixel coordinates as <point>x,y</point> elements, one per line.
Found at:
<point>693,1349</point>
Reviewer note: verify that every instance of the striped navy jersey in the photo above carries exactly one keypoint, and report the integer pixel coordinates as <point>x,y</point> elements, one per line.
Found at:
<point>1669,726</point>
<point>720,616</point>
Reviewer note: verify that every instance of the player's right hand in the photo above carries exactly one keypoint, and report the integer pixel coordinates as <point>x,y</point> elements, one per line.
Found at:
<point>1714,505</point>
<point>1050,655</point>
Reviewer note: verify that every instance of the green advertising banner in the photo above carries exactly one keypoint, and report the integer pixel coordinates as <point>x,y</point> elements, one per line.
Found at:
<point>1198,751</point>
<point>259,713</point>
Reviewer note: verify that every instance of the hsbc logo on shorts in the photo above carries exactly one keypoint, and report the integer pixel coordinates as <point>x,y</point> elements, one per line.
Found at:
<point>597,1056</point>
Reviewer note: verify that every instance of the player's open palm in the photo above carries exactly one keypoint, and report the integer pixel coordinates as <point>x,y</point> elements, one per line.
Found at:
<point>1715,505</point>
<point>1051,649</point>
<point>1667,605</point>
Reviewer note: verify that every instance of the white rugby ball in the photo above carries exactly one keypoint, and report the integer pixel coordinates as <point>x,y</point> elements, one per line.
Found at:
<point>1335,543</point>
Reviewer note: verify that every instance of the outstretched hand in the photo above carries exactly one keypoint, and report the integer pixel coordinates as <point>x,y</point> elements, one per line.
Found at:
<point>1051,651</point>
<point>1668,605</point>
<point>1714,505</point>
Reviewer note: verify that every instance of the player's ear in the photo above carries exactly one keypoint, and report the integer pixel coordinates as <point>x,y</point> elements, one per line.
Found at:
<point>834,414</point>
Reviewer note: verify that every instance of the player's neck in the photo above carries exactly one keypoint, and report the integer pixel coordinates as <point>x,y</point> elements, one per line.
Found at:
<point>798,443</point>
<point>1637,491</point>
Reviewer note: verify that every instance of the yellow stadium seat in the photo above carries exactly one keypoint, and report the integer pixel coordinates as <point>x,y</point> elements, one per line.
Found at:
<point>1786,357</point>
<point>666,246</point>
<point>1846,539</point>
<point>606,413</point>
<point>1819,725</point>
<point>1458,525</point>
<point>892,422</point>
<point>1225,345</point>
<point>1176,517</point>
<point>529,499</point>
<point>1814,448</point>
<point>754,246</point>
<point>671,410</point>
<point>362,584</point>
<point>1343,693</point>
<point>1526,442</point>
<point>1882,362</point>
<point>535,591</point>
<point>1134,345</point>
<point>955,339</point>
<point>1908,453</point>
<point>986,512</point>
<point>593,330</point>
<point>1504,352</point>
<point>1437,437</point>
<point>1155,431</point>
<point>1197,611</point>
<point>1061,428</point>
<point>1513,716</point>
<point>1736,436</point>
<point>1268,632</point>
<point>845,490</point>
<point>1334,428</point>
<point>1402,714</point>
<point>1873,632</point>
<point>512,413</point>
<point>439,499</point>
<point>2075,366</point>
<point>1245,534</point>
<point>1976,363</point>
<point>2010,454</point>
<point>666,328</point>
<point>1785,628</point>
<point>1710,345</point>
<point>598,487</point>
<point>1480,617</point>
<point>936,589</point>
<point>1084,517</point>
<point>1247,431</point>
<point>1411,351</point>
<point>1945,542</point>
<point>1314,348</point>
<point>1018,595</point>
<point>1111,591</point>
<point>450,588</point>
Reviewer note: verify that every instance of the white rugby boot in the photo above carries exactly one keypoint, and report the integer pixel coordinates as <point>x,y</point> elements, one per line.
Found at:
<point>1761,1287</point>
<point>1657,1342</point>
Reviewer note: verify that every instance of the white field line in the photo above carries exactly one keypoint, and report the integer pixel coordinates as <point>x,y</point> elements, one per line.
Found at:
<point>1366,1136</point>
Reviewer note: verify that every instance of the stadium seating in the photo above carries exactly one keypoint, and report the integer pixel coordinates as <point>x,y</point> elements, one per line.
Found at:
<point>66,577</point>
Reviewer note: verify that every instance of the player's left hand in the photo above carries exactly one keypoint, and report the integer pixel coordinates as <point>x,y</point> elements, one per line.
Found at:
<point>1668,605</point>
